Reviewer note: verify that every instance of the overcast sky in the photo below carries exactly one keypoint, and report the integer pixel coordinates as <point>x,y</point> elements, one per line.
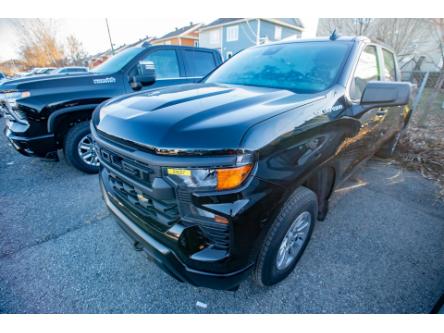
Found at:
<point>92,32</point>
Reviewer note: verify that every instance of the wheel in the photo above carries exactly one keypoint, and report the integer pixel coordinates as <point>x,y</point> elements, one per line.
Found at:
<point>388,149</point>
<point>287,238</point>
<point>79,149</point>
<point>439,306</point>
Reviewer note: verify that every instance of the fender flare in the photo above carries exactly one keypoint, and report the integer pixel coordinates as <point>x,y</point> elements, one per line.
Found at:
<point>53,116</point>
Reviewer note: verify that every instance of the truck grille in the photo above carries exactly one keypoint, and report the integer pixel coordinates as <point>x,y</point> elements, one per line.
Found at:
<point>159,213</point>
<point>131,182</point>
<point>133,169</point>
<point>16,114</point>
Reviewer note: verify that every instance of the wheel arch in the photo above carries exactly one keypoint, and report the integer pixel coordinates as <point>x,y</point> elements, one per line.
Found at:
<point>322,182</point>
<point>60,121</point>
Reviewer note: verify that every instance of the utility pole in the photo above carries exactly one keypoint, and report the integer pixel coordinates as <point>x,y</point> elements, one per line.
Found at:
<point>109,35</point>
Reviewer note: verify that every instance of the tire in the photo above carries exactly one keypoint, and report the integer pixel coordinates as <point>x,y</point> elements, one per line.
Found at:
<point>77,143</point>
<point>270,268</point>
<point>439,306</point>
<point>388,149</point>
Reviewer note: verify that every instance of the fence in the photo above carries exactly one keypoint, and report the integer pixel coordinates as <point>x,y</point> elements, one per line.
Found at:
<point>422,145</point>
<point>428,101</point>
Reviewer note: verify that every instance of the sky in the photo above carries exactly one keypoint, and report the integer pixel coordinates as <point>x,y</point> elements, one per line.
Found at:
<point>93,34</point>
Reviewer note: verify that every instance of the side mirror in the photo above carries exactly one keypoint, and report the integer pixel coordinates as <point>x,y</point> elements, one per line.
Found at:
<point>380,94</point>
<point>146,73</point>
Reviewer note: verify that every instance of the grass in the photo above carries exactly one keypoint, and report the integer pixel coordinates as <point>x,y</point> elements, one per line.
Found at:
<point>421,147</point>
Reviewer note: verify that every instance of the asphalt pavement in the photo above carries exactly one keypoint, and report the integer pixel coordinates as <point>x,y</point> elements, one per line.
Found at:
<point>381,250</point>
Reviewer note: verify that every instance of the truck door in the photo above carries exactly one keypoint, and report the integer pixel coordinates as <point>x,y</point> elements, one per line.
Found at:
<point>169,68</point>
<point>393,118</point>
<point>365,143</point>
<point>198,62</point>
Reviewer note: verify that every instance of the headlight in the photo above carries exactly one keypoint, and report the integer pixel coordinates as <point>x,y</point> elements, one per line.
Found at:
<point>213,178</point>
<point>12,97</point>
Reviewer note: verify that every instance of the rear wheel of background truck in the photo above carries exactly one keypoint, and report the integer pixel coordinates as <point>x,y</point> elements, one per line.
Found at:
<point>287,238</point>
<point>79,149</point>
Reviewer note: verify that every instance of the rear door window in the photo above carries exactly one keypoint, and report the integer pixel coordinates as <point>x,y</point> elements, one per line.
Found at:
<point>366,70</point>
<point>198,63</point>
<point>166,64</point>
<point>389,65</point>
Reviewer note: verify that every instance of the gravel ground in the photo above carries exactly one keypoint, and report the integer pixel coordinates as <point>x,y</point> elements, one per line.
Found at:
<point>381,250</point>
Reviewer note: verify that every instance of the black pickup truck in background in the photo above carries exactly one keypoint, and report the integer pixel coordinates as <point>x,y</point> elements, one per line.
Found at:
<point>229,175</point>
<point>44,114</point>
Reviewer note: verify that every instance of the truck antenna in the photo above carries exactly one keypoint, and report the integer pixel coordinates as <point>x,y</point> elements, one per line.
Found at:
<point>334,35</point>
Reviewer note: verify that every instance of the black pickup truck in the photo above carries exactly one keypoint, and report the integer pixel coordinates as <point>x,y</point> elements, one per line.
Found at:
<point>47,113</point>
<point>227,176</point>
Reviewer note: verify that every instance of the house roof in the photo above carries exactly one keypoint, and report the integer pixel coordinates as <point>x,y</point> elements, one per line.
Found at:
<point>292,22</point>
<point>221,21</point>
<point>122,47</point>
<point>181,31</point>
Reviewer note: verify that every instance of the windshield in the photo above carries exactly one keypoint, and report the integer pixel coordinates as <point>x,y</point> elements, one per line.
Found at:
<point>117,62</point>
<point>305,67</point>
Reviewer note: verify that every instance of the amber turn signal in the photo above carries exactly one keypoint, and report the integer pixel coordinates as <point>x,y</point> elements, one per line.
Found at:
<point>232,177</point>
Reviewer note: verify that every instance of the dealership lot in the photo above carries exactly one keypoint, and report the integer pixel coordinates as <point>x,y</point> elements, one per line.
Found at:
<point>380,250</point>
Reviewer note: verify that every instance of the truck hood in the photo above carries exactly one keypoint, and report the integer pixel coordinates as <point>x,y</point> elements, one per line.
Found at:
<point>55,92</point>
<point>14,82</point>
<point>194,116</point>
<point>52,81</point>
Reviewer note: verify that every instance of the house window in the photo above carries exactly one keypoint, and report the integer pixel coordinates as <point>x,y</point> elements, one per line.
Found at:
<point>215,37</point>
<point>277,32</point>
<point>232,33</point>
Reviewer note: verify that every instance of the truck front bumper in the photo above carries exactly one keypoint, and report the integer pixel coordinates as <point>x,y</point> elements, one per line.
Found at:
<point>166,259</point>
<point>41,146</point>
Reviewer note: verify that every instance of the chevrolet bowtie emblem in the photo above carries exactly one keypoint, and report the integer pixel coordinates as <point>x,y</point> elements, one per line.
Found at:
<point>141,197</point>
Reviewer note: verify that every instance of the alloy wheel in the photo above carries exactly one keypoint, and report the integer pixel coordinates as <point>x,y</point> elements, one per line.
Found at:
<point>294,240</point>
<point>86,151</point>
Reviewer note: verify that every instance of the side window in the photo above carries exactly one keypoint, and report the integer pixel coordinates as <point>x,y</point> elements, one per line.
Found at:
<point>198,63</point>
<point>366,70</point>
<point>389,65</point>
<point>165,62</point>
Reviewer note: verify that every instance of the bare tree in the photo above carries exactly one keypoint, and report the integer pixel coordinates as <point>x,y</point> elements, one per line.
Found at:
<point>438,34</point>
<point>404,35</point>
<point>76,55</point>
<point>38,45</point>
<point>345,26</point>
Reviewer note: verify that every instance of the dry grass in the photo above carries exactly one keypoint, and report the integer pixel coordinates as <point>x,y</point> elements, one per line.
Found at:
<point>421,147</point>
